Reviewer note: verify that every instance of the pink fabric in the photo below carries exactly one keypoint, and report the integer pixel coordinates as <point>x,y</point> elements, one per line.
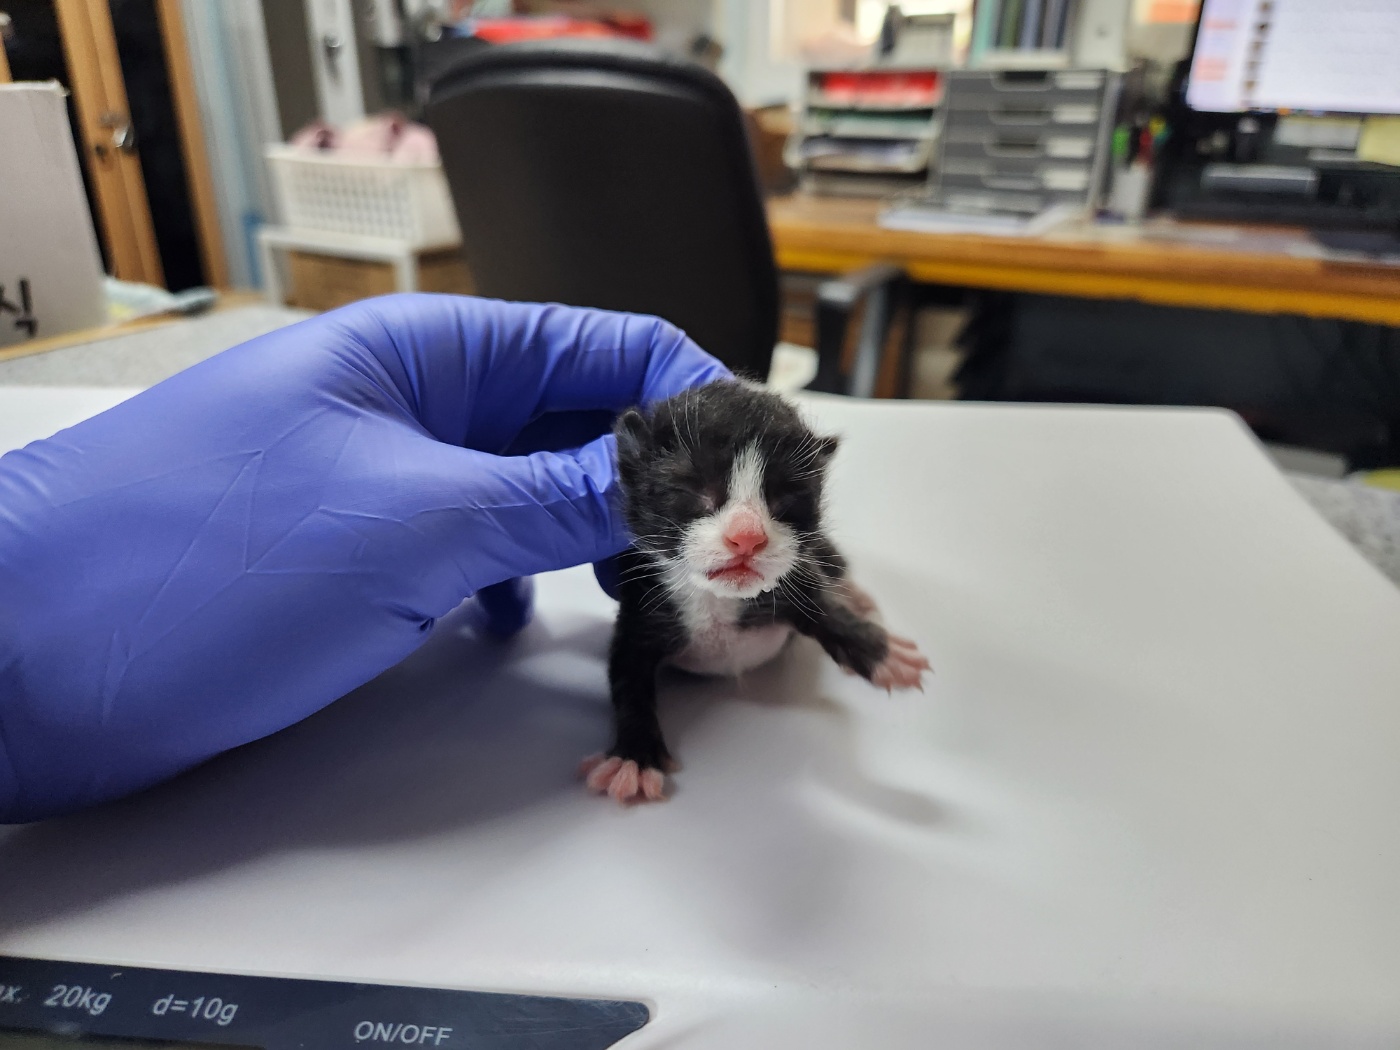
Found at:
<point>318,135</point>
<point>388,136</point>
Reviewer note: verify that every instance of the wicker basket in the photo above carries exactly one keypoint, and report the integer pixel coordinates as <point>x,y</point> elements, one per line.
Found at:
<point>367,198</point>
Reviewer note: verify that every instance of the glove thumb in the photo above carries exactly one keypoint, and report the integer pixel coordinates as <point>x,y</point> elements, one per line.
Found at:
<point>524,515</point>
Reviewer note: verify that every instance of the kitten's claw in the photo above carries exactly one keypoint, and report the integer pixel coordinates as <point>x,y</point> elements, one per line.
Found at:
<point>902,668</point>
<point>623,780</point>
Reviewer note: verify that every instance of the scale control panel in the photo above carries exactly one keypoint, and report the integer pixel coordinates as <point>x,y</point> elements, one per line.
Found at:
<point>46,1004</point>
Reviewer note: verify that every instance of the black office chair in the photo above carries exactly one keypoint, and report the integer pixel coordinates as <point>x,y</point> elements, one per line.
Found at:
<point>607,174</point>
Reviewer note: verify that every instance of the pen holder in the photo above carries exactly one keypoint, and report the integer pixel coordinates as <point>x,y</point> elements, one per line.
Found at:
<point>1131,188</point>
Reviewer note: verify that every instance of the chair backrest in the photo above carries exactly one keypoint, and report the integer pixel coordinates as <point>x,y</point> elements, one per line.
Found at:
<point>606,174</point>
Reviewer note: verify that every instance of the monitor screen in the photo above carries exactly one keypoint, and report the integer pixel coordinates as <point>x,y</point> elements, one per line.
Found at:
<point>1326,56</point>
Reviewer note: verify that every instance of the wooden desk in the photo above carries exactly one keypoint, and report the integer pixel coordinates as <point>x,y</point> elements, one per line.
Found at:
<point>1265,272</point>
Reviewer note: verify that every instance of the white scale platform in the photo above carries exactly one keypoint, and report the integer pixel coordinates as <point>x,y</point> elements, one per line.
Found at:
<point>1149,798</point>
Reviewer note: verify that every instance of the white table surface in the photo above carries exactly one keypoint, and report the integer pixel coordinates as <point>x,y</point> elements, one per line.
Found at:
<point>1148,800</point>
<point>31,412</point>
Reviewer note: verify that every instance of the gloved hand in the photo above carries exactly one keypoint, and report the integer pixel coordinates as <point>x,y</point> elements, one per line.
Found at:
<point>235,548</point>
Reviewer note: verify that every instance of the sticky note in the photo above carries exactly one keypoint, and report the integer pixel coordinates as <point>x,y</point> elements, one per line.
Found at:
<point>1380,140</point>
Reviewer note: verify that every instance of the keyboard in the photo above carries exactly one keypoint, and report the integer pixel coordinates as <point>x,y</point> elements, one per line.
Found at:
<point>1293,213</point>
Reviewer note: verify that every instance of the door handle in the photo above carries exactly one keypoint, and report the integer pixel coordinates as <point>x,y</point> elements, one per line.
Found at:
<point>123,134</point>
<point>332,45</point>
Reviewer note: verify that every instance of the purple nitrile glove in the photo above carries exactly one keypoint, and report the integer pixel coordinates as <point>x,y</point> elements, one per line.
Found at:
<point>235,548</point>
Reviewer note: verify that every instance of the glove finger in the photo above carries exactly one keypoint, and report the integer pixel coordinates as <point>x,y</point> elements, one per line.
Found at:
<point>507,607</point>
<point>615,361</point>
<point>607,573</point>
<point>476,372</point>
<point>573,362</point>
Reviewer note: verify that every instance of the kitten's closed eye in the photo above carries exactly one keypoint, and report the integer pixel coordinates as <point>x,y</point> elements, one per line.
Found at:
<point>687,500</point>
<point>779,505</point>
<point>696,492</point>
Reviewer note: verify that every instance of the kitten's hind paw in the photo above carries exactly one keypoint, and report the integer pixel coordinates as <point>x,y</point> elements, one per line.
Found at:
<point>622,779</point>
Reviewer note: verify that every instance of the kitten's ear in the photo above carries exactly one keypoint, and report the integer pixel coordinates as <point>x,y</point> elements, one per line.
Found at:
<point>633,435</point>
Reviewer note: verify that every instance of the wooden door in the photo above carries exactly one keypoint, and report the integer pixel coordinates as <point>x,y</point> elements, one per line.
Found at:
<point>109,141</point>
<point>104,123</point>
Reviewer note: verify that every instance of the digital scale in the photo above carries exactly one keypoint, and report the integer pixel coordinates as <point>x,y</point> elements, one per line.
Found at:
<point>1148,799</point>
<point>49,1004</point>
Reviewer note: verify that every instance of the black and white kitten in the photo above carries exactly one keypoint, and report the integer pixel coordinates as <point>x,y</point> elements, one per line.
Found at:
<point>723,488</point>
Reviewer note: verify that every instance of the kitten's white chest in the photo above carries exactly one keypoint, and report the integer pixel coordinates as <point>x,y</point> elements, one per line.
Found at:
<point>718,645</point>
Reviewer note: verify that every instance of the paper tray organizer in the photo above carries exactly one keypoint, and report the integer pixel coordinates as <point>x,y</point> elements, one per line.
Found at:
<point>1023,140</point>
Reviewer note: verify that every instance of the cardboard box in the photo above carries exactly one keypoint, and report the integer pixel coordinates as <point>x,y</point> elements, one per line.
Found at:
<point>51,278</point>
<point>324,282</point>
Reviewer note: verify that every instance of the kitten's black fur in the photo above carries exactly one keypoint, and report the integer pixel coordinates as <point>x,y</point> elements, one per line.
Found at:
<point>675,463</point>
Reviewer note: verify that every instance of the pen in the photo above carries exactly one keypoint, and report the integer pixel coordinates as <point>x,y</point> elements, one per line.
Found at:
<point>1120,146</point>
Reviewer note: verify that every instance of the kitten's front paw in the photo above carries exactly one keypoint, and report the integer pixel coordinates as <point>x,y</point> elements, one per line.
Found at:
<point>858,599</point>
<point>622,779</point>
<point>903,666</point>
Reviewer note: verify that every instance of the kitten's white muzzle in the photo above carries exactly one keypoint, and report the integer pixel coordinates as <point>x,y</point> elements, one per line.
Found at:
<point>717,547</point>
<point>713,565</point>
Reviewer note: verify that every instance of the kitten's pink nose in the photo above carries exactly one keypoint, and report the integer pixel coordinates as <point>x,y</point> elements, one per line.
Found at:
<point>744,536</point>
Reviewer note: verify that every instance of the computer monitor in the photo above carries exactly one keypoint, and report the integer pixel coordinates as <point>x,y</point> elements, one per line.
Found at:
<point>1323,56</point>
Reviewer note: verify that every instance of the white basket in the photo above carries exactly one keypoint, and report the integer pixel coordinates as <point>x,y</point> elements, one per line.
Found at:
<point>368,198</point>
